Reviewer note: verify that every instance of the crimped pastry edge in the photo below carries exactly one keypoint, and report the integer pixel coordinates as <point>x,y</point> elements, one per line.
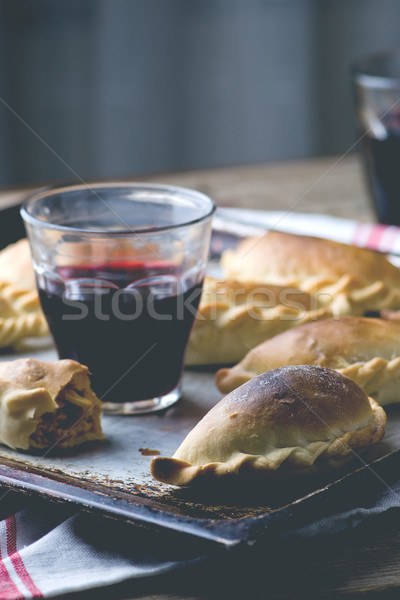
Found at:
<point>224,330</point>
<point>228,337</point>
<point>309,460</point>
<point>377,376</point>
<point>24,318</point>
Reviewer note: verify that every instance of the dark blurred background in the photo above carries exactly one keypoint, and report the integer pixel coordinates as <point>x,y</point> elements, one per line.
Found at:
<point>107,88</point>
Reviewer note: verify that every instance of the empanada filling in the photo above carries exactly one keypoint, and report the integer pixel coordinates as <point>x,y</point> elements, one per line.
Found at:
<point>75,420</point>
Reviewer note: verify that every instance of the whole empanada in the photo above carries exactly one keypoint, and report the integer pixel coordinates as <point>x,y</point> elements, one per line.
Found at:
<point>234,317</point>
<point>290,421</point>
<point>351,280</point>
<point>365,349</point>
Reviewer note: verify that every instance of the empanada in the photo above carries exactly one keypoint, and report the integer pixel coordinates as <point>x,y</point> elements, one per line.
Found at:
<point>234,317</point>
<point>21,315</point>
<point>16,265</point>
<point>365,349</point>
<point>351,280</point>
<point>290,421</point>
<point>46,404</point>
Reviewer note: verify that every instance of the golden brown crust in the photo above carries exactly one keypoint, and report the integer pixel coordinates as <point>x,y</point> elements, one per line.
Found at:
<point>238,292</point>
<point>16,328</point>
<point>20,312</point>
<point>365,349</point>
<point>358,279</point>
<point>16,265</point>
<point>294,420</point>
<point>285,258</point>
<point>235,316</point>
<point>31,373</point>
<point>280,281</point>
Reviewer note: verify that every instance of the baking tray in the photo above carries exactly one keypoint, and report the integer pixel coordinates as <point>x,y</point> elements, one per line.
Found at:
<point>113,478</point>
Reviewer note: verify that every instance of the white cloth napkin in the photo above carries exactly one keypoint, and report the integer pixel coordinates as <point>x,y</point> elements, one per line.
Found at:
<point>45,556</point>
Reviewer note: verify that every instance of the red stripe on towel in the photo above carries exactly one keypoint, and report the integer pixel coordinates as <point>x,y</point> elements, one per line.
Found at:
<point>8,589</point>
<point>358,235</point>
<point>375,235</point>
<point>15,557</point>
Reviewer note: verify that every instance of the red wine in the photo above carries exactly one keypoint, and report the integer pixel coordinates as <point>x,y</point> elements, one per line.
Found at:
<point>128,322</point>
<point>383,173</point>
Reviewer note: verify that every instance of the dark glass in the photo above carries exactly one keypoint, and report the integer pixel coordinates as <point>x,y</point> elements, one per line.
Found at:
<point>382,158</point>
<point>376,88</point>
<point>132,340</point>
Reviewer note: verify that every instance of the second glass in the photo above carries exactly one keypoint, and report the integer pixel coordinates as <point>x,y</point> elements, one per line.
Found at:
<point>119,270</point>
<point>376,86</point>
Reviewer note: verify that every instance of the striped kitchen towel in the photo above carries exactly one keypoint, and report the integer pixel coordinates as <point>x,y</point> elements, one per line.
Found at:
<point>242,222</point>
<point>44,554</point>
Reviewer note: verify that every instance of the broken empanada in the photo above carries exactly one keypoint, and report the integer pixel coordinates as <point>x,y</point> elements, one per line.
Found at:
<point>365,349</point>
<point>290,421</point>
<point>47,404</point>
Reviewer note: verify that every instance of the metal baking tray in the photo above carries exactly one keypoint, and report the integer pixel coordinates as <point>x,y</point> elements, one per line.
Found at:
<point>113,478</point>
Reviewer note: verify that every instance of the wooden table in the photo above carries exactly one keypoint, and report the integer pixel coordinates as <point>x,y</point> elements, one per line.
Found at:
<point>330,185</point>
<point>365,561</point>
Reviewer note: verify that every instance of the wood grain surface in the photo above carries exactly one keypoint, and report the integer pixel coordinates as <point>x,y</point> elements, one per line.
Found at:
<point>331,185</point>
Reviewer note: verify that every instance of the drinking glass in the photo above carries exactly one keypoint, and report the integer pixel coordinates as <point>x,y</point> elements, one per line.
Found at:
<point>119,269</point>
<point>376,86</point>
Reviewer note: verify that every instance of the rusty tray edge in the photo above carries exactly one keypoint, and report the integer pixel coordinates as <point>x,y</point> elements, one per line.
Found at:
<point>364,481</point>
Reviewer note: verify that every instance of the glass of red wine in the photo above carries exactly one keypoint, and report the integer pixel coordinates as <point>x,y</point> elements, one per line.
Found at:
<point>119,269</point>
<point>376,86</point>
